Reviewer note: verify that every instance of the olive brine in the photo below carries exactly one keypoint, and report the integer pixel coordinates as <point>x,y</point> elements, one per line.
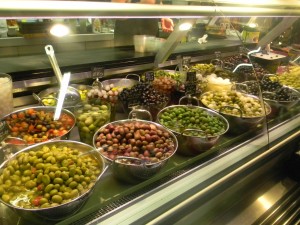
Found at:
<point>50,176</point>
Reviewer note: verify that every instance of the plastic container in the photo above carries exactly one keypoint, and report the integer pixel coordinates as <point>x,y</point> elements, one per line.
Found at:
<point>6,97</point>
<point>90,117</point>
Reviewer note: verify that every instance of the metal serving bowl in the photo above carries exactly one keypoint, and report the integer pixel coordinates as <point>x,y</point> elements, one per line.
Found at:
<point>134,169</point>
<point>194,145</point>
<point>240,122</point>
<point>12,144</point>
<point>277,106</point>
<point>72,97</point>
<point>65,209</point>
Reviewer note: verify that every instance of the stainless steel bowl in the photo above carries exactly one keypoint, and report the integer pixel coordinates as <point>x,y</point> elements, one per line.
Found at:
<point>63,210</point>
<point>12,144</point>
<point>240,123</point>
<point>72,97</point>
<point>194,145</point>
<point>278,106</point>
<point>133,169</point>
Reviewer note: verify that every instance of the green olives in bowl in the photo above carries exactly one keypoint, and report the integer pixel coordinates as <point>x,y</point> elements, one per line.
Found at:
<point>50,180</point>
<point>90,117</point>
<point>196,128</point>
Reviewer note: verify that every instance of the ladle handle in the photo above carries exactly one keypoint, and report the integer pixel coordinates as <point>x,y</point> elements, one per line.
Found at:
<point>50,52</point>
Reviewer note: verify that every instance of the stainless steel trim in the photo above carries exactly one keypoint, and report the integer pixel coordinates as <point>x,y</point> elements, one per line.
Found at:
<point>21,41</point>
<point>47,9</point>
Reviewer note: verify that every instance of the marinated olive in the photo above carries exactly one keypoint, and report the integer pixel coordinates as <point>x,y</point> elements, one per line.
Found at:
<point>234,103</point>
<point>52,185</point>
<point>38,125</point>
<point>180,118</point>
<point>89,119</point>
<point>134,145</point>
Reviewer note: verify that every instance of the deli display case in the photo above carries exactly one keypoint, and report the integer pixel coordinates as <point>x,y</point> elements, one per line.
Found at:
<point>221,89</point>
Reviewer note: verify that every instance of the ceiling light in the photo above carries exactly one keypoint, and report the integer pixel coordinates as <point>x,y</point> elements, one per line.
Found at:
<point>59,30</point>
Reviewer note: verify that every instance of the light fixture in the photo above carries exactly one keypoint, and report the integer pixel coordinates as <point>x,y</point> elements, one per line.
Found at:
<point>59,30</point>
<point>252,25</point>
<point>185,26</point>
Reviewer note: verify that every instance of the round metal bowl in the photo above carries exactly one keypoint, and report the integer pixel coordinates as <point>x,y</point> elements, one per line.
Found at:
<point>49,97</point>
<point>278,106</point>
<point>13,143</point>
<point>65,209</point>
<point>239,122</point>
<point>134,169</point>
<point>194,145</point>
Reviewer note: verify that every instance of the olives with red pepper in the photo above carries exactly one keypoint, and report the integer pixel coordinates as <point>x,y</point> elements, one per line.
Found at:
<point>35,125</point>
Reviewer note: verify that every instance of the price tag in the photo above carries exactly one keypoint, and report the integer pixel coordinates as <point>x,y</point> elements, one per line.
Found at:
<point>133,101</point>
<point>97,72</point>
<point>149,76</point>
<point>191,76</point>
<point>186,60</point>
<point>190,88</point>
<point>4,130</point>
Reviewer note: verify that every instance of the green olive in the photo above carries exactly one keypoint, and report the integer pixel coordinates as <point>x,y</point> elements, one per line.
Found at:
<point>55,173</point>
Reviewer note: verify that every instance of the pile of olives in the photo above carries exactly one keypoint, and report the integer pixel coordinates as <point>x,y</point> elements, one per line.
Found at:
<point>244,73</point>
<point>164,84</point>
<point>234,103</point>
<point>38,125</point>
<point>271,89</point>
<point>142,94</point>
<point>47,177</point>
<point>203,68</point>
<point>89,119</point>
<point>170,74</point>
<point>137,139</point>
<point>109,93</point>
<point>180,118</point>
<point>291,78</point>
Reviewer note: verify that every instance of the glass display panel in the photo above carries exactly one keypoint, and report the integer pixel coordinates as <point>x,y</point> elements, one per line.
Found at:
<point>219,68</point>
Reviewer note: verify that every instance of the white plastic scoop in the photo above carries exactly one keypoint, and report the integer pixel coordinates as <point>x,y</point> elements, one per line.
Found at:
<point>72,96</point>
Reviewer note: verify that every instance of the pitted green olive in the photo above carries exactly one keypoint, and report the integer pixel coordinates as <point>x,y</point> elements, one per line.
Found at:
<point>55,179</point>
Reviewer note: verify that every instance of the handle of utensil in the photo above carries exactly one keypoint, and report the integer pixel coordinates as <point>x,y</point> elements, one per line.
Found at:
<point>50,53</point>
<point>132,114</point>
<point>189,100</point>
<point>133,75</point>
